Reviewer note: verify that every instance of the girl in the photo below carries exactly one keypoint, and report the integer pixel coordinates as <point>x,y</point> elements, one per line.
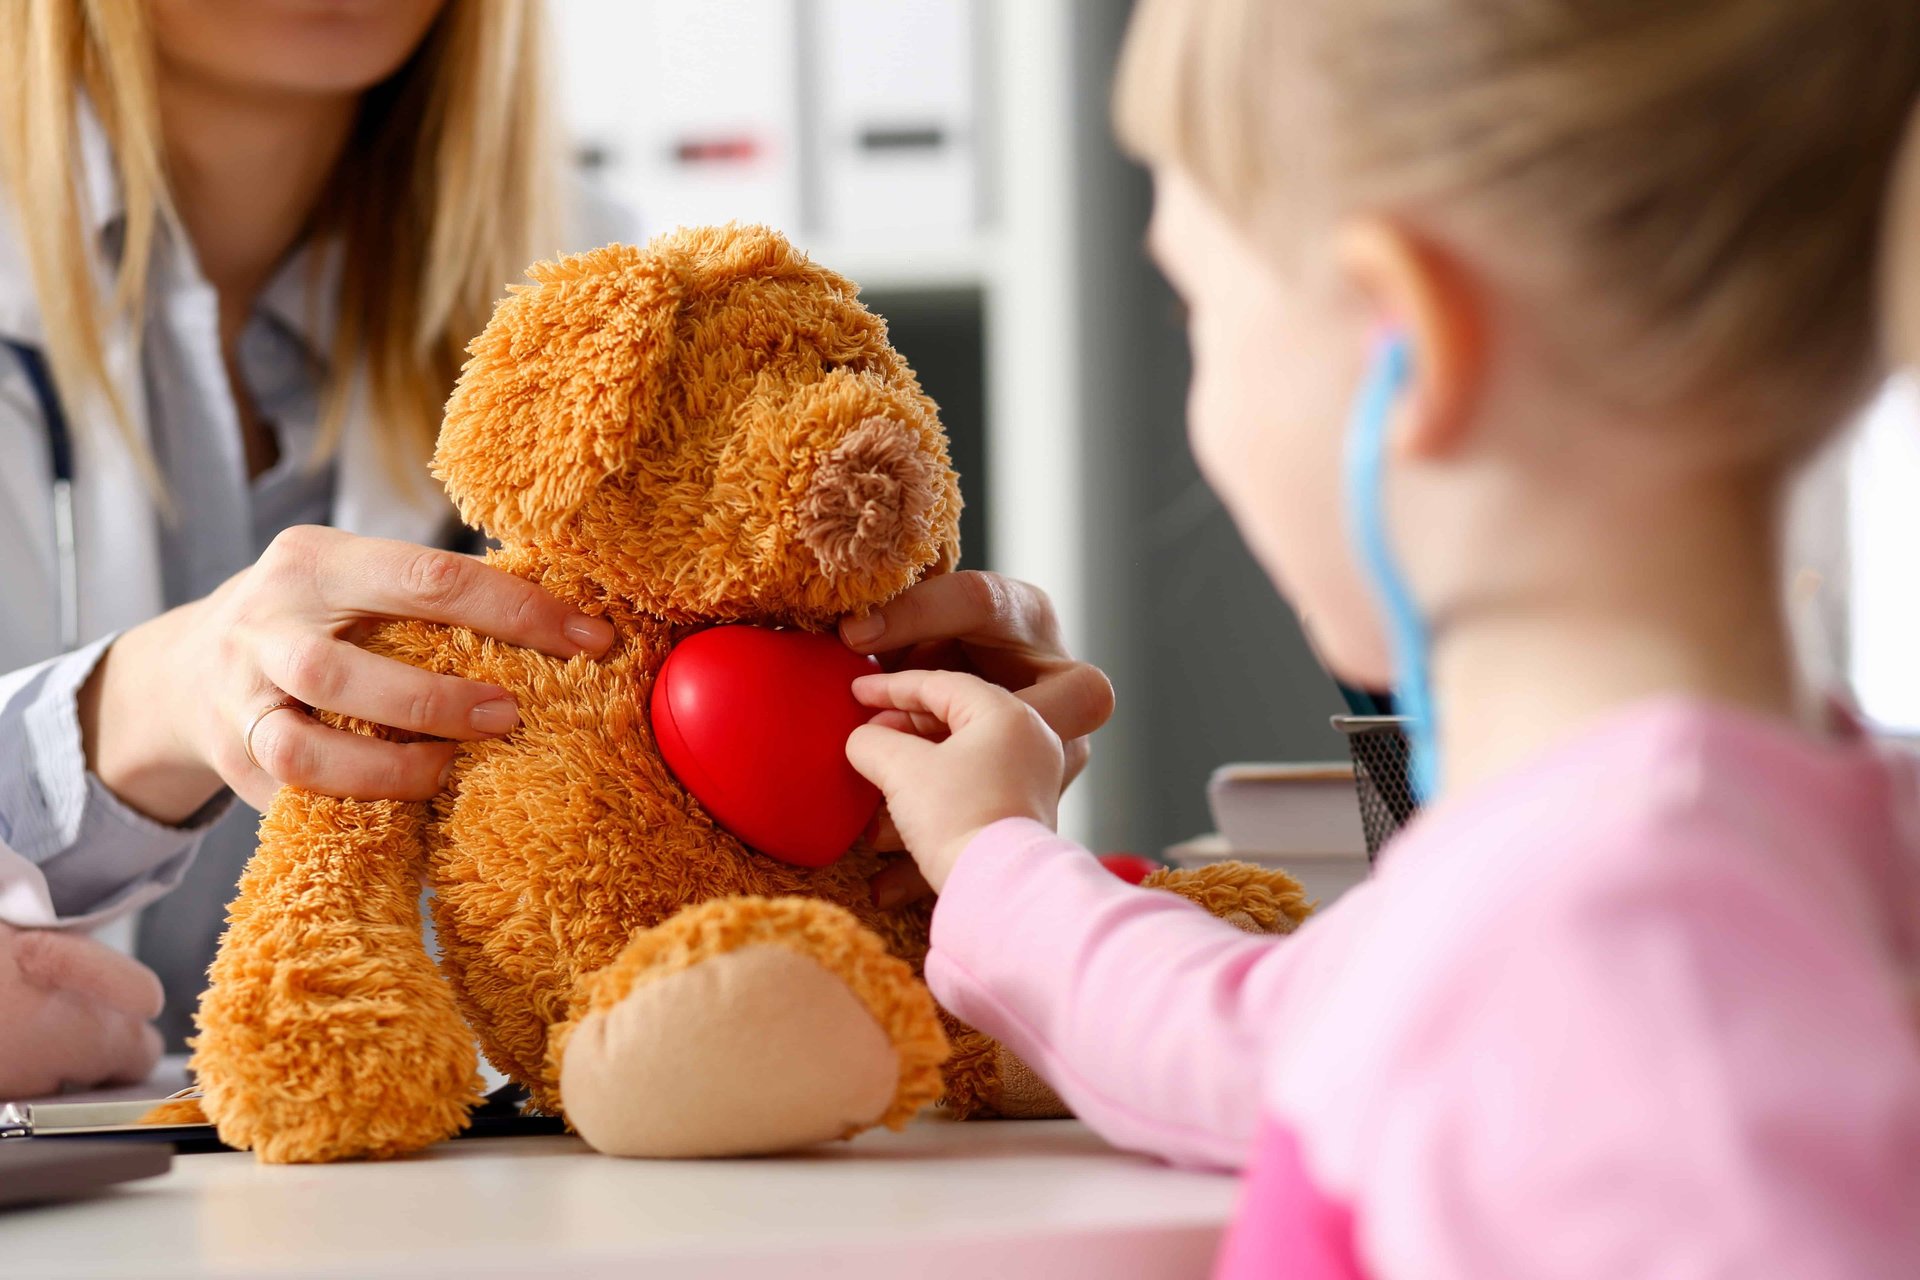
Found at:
<point>1636,995</point>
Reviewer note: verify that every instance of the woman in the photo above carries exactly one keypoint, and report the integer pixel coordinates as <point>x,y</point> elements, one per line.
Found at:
<point>243,246</point>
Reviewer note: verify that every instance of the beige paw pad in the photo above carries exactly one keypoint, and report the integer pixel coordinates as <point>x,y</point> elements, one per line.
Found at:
<point>754,1051</point>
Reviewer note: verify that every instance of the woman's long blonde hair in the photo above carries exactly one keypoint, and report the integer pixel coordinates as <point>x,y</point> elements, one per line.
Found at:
<point>1718,183</point>
<point>446,191</point>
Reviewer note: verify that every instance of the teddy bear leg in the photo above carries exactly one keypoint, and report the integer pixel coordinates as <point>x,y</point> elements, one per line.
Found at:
<point>327,1032</point>
<point>745,1026</point>
<point>1251,898</point>
<point>984,1078</point>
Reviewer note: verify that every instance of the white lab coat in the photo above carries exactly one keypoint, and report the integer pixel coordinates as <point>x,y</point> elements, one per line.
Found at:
<point>115,518</point>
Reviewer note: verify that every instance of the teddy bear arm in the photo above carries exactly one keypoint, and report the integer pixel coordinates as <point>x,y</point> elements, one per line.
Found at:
<point>327,1032</point>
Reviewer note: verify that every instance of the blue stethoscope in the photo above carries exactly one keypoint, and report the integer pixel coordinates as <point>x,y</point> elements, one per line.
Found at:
<point>60,455</point>
<point>1366,481</point>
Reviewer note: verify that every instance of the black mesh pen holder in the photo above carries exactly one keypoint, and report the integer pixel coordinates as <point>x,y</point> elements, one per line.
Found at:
<point>1380,751</point>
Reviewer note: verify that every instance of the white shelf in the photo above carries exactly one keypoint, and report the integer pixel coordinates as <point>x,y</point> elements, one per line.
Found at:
<point>901,266</point>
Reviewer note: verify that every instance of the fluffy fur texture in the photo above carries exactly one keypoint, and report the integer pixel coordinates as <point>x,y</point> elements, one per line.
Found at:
<point>328,910</point>
<point>710,429</point>
<point>1254,898</point>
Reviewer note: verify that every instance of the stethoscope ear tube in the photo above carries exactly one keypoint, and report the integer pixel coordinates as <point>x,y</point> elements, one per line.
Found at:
<point>1366,481</point>
<point>66,547</point>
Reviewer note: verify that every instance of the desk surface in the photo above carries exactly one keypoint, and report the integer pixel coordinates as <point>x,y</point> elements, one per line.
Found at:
<point>1007,1199</point>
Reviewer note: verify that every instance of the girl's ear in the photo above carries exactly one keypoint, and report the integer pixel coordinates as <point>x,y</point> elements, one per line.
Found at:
<point>1418,290</point>
<point>563,389</point>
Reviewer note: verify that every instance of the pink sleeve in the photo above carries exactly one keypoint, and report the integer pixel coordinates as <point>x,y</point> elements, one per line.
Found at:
<point>1145,1013</point>
<point>1703,1071</point>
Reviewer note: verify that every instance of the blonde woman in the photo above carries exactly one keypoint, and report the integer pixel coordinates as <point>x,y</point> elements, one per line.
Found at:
<point>242,246</point>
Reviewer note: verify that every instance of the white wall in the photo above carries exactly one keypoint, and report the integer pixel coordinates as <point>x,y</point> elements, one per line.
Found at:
<point>1883,533</point>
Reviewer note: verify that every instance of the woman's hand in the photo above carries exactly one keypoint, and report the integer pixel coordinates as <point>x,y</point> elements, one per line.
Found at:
<point>166,714</point>
<point>954,754</point>
<point>77,1013</point>
<point>1002,630</point>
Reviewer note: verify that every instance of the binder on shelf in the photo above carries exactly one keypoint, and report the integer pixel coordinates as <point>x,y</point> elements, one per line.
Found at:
<point>1287,808</point>
<point>894,124</point>
<point>691,112</point>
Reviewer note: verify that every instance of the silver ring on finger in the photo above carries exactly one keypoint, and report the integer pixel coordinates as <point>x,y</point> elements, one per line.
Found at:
<point>246,739</point>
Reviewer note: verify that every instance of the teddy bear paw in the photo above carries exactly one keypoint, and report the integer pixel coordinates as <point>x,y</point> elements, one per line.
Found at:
<point>746,1026</point>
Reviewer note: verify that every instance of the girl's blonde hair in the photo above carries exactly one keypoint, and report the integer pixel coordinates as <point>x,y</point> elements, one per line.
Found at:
<point>1717,177</point>
<point>444,194</point>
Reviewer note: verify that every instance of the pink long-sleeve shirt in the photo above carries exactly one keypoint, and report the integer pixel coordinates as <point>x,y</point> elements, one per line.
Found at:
<point>1647,1007</point>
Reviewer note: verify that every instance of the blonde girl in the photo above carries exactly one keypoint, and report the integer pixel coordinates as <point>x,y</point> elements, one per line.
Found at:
<point>1546,302</point>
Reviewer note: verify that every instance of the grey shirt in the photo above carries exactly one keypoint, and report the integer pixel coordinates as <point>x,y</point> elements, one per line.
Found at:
<point>227,521</point>
<point>92,847</point>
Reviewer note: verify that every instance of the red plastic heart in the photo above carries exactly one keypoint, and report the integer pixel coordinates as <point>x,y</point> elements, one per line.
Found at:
<point>1130,867</point>
<point>754,722</point>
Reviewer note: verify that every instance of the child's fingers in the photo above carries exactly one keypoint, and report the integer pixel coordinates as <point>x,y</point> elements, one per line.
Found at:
<point>886,757</point>
<point>952,696</point>
<point>919,723</point>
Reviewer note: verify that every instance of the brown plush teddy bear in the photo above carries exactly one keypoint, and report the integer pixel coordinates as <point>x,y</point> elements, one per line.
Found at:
<point>711,429</point>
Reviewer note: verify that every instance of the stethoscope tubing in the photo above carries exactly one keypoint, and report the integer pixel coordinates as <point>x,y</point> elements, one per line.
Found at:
<point>66,545</point>
<point>1367,446</point>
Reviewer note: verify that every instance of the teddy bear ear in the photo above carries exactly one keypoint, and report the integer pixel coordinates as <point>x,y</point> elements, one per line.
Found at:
<point>560,391</point>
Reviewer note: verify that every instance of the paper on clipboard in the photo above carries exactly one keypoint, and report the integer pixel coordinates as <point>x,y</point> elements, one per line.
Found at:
<point>156,1118</point>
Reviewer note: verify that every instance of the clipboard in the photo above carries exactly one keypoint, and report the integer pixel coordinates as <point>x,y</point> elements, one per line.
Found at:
<point>38,1172</point>
<point>502,1113</point>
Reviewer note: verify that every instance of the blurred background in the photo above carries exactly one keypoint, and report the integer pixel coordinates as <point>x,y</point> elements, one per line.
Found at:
<point>954,157</point>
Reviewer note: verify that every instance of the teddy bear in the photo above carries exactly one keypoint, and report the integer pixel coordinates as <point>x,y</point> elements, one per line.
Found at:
<point>711,429</point>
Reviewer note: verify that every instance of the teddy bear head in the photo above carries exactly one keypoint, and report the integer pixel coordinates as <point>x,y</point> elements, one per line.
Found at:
<point>712,427</point>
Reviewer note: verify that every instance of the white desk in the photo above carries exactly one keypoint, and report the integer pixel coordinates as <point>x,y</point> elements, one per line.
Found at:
<point>1006,1200</point>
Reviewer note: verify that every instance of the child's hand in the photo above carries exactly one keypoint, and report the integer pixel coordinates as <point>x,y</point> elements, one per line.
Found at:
<point>954,754</point>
